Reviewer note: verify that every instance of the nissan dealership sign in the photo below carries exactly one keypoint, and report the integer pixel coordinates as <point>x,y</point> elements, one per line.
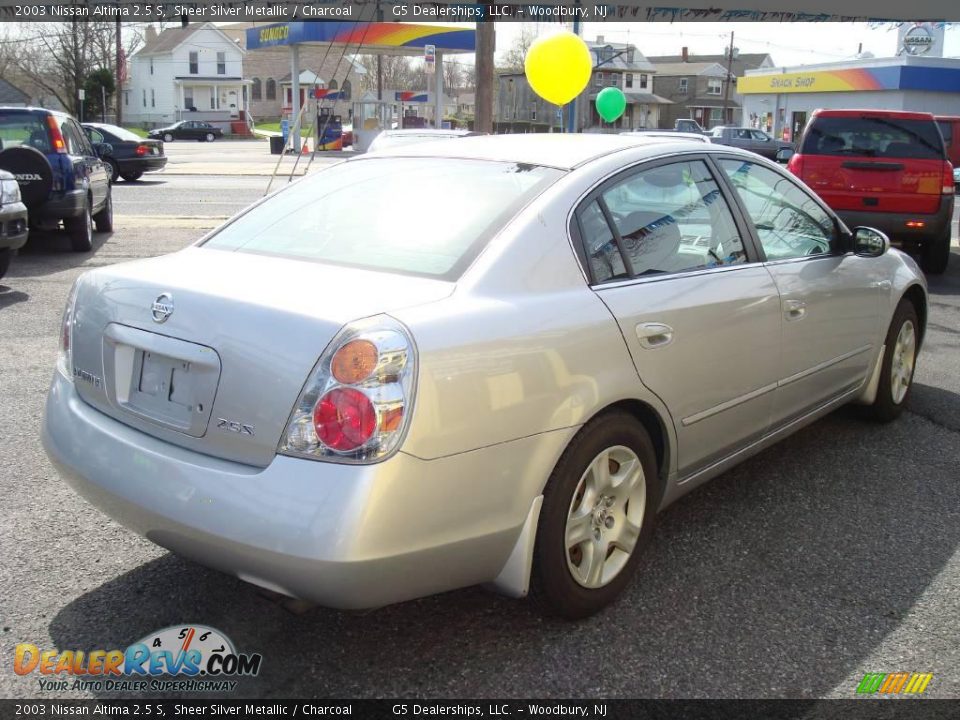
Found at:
<point>922,39</point>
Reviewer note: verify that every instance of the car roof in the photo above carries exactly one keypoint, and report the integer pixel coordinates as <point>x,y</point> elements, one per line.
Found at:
<point>564,151</point>
<point>667,134</point>
<point>875,112</point>
<point>429,131</point>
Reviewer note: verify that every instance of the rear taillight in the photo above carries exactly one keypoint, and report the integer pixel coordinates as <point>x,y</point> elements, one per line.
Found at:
<point>142,150</point>
<point>65,353</point>
<point>356,404</point>
<point>56,137</point>
<point>795,165</point>
<point>948,185</point>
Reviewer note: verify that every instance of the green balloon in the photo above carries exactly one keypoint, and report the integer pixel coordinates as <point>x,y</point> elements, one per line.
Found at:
<point>611,102</point>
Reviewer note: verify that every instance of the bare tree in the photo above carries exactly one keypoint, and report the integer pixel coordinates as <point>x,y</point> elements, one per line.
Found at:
<point>513,59</point>
<point>397,73</point>
<point>57,57</point>
<point>456,75</point>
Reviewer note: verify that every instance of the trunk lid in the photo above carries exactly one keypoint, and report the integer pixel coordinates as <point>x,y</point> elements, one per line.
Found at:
<point>874,162</point>
<point>239,335</point>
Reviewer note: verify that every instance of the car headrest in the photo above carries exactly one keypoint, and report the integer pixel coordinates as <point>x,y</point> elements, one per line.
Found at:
<point>651,239</point>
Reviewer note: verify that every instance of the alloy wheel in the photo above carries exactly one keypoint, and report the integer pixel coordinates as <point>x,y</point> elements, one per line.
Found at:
<point>901,365</point>
<point>605,517</point>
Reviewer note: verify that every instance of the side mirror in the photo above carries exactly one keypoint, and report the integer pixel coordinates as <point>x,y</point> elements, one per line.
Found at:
<point>103,149</point>
<point>870,242</point>
<point>784,155</point>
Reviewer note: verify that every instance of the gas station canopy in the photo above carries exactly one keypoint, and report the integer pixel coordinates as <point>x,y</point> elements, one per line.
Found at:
<point>368,38</point>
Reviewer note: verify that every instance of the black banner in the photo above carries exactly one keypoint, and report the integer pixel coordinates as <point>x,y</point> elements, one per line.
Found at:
<point>455,11</point>
<point>496,709</point>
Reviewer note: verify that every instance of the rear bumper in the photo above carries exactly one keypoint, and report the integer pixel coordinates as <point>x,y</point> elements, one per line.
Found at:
<point>145,164</point>
<point>63,205</point>
<point>13,226</point>
<point>345,536</point>
<point>895,224</point>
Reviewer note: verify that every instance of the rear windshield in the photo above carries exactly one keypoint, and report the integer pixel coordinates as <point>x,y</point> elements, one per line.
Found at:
<point>874,137</point>
<point>424,216</point>
<point>20,128</point>
<point>118,132</point>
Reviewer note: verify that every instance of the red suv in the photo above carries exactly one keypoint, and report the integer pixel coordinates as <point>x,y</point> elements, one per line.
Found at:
<point>884,169</point>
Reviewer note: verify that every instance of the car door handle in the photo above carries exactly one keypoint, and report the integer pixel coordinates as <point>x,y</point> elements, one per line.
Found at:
<point>794,309</point>
<point>654,335</point>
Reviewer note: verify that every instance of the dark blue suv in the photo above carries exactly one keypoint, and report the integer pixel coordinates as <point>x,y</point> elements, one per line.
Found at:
<point>60,172</point>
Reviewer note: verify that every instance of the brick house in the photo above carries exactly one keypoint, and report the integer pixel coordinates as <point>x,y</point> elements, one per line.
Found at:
<point>696,85</point>
<point>518,109</point>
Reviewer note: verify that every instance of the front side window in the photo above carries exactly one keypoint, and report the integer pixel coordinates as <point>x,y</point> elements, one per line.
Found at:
<point>760,136</point>
<point>327,216</point>
<point>789,223</point>
<point>668,219</point>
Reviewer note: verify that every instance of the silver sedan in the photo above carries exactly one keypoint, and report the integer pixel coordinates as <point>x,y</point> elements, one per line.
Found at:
<point>486,360</point>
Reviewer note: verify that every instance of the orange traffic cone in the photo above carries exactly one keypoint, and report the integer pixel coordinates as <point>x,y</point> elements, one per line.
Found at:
<point>306,150</point>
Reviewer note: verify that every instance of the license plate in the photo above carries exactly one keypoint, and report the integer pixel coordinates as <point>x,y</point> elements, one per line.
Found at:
<point>161,379</point>
<point>168,380</point>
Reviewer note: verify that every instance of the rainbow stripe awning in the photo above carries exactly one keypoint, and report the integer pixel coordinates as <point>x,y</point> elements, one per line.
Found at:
<point>385,38</point>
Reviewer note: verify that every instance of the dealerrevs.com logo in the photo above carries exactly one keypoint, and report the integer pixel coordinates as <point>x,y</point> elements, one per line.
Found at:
<point>180,658</point>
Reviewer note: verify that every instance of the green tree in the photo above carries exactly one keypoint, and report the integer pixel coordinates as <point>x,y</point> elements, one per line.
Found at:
<point>97,84</point>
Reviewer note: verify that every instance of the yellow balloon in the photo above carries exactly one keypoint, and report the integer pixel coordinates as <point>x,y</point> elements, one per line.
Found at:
<point>558,67</point>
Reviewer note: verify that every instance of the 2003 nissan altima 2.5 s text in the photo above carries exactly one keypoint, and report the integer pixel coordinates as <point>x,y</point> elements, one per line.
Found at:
<point>335,405</point>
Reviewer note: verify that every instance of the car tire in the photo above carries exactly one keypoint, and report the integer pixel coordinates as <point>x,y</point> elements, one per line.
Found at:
<point>210,137</point>
<point>167,137</point>
<point>80,230</point>
<point>33,170</point>
<point>104,218</point>
<point>114,169</point>
<point>131,176</point>
<point>6,255</point>
<point>612,515</point>
<point>899,362</point>
<point>936,254</point>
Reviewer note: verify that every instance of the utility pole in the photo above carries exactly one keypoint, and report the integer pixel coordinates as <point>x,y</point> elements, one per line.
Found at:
<point>572,105</point>
<point>117,75</point>
<point>380,63</point>
<point>726,85</point>
<point>486,42</point>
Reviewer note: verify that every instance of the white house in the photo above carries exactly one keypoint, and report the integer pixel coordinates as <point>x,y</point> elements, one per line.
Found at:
<point>193,72</point>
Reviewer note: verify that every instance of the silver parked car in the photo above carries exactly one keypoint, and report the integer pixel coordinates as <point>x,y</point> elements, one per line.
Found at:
<point>484,360</point>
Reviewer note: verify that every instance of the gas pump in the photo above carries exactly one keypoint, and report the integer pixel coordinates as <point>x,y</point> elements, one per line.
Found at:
<point>329,130</point>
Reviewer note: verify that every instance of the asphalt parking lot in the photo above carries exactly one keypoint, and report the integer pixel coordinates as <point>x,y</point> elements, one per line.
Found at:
<point>833,554</point>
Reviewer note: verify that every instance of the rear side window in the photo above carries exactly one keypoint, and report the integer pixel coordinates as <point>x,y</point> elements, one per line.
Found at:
<point>423,216</point>
<point>946,129</point>
<point>19,128</point>
<point>667,219</point>
<point>881,137</point>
